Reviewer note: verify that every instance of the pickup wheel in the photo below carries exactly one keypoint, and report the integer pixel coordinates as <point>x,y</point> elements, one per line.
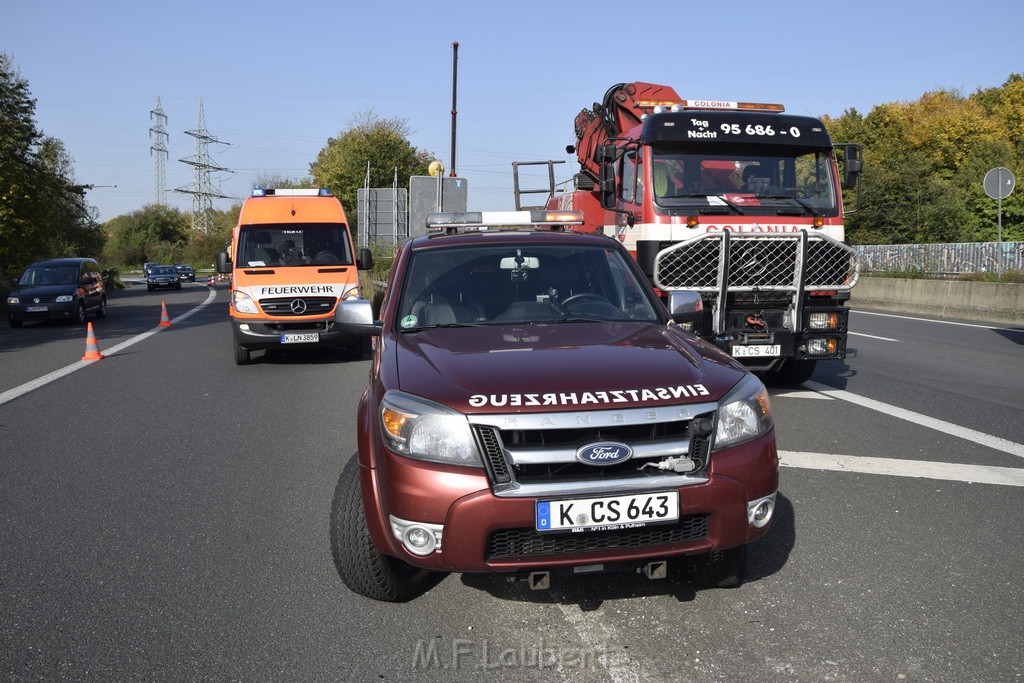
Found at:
<point>364,569</point>
<point>792,372</point>
<point>720,568</point>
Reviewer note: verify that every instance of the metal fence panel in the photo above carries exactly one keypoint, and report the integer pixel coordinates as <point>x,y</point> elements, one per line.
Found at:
<point>943,260</point>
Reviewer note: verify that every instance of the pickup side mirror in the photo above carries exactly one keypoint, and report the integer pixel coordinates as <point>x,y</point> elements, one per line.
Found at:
<point>365,260</point>
<point>223,263</point>
<point>356,317</point>
<point>685,307</point>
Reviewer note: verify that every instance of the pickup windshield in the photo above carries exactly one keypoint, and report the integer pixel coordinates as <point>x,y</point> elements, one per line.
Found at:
<point>294,244</point>
<point>505,284</point>
<point>784,182</point>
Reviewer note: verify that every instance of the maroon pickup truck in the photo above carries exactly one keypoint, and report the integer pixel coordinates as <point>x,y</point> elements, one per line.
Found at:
<point>534,408</point>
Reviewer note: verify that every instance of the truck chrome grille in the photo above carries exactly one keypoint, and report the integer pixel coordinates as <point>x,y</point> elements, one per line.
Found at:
<point>526,542</point>
<point>756,262</point>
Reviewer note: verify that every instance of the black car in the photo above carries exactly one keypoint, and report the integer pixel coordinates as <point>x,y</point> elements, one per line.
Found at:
<point>57,289</point>
<point>148,267</point>
<point>163,277</point>
<point>185,273</point>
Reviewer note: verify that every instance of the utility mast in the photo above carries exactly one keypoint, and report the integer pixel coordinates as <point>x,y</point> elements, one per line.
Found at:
<point>202,190</point>
<point>158,150</point>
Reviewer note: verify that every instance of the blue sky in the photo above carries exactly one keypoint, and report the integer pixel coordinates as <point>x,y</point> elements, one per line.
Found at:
<point>278,79</point>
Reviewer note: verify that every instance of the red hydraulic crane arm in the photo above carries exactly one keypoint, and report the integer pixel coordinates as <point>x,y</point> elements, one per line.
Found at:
<point>622,108</point>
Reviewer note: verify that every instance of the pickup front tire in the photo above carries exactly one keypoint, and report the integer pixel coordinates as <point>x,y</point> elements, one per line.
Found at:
<point>363,568</point>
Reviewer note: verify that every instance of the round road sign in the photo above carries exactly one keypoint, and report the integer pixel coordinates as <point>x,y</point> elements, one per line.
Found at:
<point>999,183</point>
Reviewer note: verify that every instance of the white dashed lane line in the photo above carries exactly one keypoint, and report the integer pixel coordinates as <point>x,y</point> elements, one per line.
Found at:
<point>979,474</point>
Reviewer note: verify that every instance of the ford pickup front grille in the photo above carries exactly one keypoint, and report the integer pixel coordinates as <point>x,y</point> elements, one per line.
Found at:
<point>535,454</point>
<point>722,261</point>
<point>526,542</point>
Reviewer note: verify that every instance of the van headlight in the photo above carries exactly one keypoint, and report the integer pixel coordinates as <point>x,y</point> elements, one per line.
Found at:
<point>424,430</point>
<point>744,414</point>
<point>242,302</point>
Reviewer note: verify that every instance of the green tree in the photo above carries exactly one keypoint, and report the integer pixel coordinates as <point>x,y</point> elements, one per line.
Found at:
<point>149,234</point>
<point>372,142</point>
<point>43,212</point>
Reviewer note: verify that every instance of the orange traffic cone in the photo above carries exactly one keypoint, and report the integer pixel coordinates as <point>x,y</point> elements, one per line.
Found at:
<point>209,283</point>
<point>164,320</point>
<point>92,352</point>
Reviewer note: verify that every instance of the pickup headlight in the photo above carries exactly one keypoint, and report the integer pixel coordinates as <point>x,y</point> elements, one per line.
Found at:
<point>424,430</point>
<point>744,414</point>
<point>242,302</point>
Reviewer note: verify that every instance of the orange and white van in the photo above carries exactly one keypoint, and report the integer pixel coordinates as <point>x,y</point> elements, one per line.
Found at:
<point>291,261</point>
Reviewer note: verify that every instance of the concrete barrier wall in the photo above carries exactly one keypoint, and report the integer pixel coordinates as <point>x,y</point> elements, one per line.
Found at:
<point>996,302</point>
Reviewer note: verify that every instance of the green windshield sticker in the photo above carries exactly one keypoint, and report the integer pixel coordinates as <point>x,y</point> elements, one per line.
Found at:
<point>409,321</point>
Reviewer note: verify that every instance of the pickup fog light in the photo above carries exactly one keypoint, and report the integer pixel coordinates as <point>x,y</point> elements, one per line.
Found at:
<point>242,302</point>
<point>760,511</point>
<point>419,538</point>
<point>824,346</point>
<point>744,414</point>
<point>424,430</point>
<point>823,321</point>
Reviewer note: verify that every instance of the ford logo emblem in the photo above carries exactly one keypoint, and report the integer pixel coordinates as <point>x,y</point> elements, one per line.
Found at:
<point>608,453</point>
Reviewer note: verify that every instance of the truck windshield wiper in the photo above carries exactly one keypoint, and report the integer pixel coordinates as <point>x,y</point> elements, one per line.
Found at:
<point>704,195</point>
<point>811,209</point>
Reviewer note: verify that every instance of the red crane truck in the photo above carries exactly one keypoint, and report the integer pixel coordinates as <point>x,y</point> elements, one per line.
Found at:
<point>738,201</point>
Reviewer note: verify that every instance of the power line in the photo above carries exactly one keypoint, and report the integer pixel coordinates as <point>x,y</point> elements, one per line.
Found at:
<point>201,189</point>
<point>159,131</point>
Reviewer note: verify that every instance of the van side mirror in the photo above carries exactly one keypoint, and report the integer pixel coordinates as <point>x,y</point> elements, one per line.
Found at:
<point>365,260</point>
<point>223,263</point>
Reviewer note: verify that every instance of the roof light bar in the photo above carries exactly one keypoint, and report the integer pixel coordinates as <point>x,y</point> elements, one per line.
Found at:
<point>724,104</point>
<point>291,192</point>
<point>497,220</point>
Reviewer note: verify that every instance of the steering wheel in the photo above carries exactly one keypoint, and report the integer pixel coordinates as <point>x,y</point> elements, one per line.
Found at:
<point>325,258</point>
<point>583,296</point>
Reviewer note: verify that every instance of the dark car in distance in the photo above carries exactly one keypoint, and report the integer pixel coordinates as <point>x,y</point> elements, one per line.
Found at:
<point>185,273</point>
<point>163,277</point>
<point>57,289</point>
<point>148,267</point>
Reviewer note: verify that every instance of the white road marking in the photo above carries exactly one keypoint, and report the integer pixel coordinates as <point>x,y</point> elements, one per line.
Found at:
<point>871,336</point>
<point>815,395</point>
<point>32,385</point>
<point>949,428</point>
<point>940,322</point>
<point>976,474</point>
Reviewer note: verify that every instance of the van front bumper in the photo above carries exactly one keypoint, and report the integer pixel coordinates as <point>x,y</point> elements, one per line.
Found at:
<point>256,334</point>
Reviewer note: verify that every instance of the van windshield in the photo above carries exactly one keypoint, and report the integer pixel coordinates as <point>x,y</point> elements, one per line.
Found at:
<point>294,244</point>
<point>49,275</point>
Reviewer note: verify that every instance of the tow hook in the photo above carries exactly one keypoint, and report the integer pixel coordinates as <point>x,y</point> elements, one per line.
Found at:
<point>539,581</point>
<point>655,570</point>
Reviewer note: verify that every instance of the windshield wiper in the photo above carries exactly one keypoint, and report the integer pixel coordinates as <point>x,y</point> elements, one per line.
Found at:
<point>736,208</point>
<point>810,208</point>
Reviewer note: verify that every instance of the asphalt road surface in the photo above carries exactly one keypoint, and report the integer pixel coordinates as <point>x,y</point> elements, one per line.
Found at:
<point>164,515</point>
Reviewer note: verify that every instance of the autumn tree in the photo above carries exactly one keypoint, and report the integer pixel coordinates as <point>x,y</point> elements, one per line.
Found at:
<point>370,142</point>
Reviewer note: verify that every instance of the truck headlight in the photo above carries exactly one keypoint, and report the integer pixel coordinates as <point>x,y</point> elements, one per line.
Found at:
<point>744,414</point>
<point>242,302</point>
<point>424,430</point>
